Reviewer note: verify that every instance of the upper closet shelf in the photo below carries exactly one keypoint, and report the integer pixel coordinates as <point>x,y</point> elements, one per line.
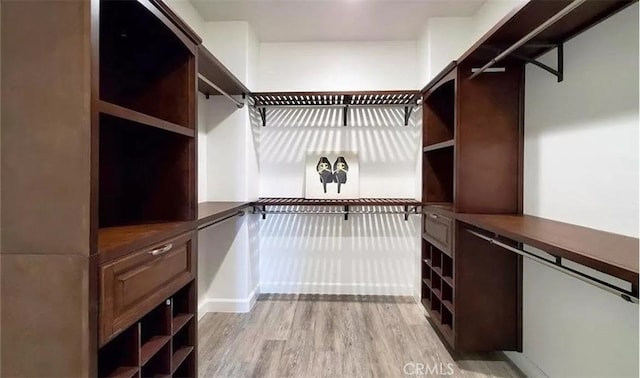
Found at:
<point>215,79</point>
<point>407,99</point>
<point>534,29</point>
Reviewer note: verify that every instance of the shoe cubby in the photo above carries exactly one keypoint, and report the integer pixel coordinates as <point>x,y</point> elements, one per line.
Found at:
<point>142,174</point>
<point>159,365</point>
<point>161,344</point>
<point>120,357</point>
<point>438,287</point>
<point>144,65</point>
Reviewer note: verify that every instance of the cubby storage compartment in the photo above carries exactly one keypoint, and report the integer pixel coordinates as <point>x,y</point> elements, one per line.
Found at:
<point>144,65</point>
<point>119,358</point>
<point>144,174</point>
<point>438,176</point>
<point>439,114</point>
<point>155,332</point>
<point>447,296</point>
<point>159,365</point>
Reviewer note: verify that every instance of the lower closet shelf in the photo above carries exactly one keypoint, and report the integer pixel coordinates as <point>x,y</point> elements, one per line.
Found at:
<point>179,357</point>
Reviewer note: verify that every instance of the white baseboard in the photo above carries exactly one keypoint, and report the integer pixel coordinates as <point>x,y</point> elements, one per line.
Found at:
<point>524,364</point>
<point>228,305</point>
<point>335,288</point>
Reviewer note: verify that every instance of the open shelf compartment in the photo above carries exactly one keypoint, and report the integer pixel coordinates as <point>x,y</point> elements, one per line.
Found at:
<point>144,65</point>
<point>144,174</point>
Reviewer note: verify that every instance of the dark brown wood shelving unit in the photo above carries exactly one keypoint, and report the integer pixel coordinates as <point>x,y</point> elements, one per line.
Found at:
<point>111,195</point>
<point>472,164</point>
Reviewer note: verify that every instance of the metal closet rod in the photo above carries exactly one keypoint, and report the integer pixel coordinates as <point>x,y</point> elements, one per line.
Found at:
<point>528,37</point>
<point>213,223</point>
<point>624,294</point>
<point>239,104</point>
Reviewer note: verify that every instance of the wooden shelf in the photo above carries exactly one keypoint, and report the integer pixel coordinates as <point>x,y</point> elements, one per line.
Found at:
<point>179,321</point>
<point>117,111</point>
<point>613,254</point>
<point>437,270</point>
<point>437,146</point>
<point>211,211</point>
<point>365,98</point>
<point>448,305</point>
<point>341,202</point>
<point>427,282</point>
<point>125,372</point>
<point>448,280</point>
<point>526,18</point>
<point>151,347</point>
<point>428,262</point>
<point>115,241</point>
<point>437,293</point>
<point>211,68</point>
<point>179,356</point>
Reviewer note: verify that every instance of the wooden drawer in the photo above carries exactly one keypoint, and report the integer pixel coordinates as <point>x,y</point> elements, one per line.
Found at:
<point>439,230</point>
<point>134,284</point>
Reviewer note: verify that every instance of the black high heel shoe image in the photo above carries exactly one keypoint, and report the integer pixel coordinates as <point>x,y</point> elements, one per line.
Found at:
<point>324,170</point>
<point>340,170</point>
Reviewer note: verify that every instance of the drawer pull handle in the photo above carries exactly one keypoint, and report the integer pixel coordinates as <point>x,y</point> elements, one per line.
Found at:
<point>164,249</point>
<point>434,216</point>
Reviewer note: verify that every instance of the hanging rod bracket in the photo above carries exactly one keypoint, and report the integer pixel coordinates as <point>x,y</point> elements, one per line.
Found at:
<point>346,213</point>
<point>558,73</point>
<point>345,115</point>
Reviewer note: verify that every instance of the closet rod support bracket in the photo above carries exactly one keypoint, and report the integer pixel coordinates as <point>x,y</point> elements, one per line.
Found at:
<point>346,213</point>
<point>558,73</point>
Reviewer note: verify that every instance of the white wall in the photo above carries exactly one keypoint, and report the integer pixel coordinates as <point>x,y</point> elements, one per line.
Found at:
<point>372,254</point>
<point>335,66</point>
<point>444,39</point>
<point>581,167</point>
<point>227,252</point>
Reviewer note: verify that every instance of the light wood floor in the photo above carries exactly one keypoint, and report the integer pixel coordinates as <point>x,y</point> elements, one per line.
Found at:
<point>332,336</point>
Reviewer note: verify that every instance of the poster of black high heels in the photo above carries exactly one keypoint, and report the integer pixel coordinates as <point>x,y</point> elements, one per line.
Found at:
<point>332,175</point>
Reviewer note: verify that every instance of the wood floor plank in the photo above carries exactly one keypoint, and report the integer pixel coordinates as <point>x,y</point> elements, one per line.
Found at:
<point>331,336</point>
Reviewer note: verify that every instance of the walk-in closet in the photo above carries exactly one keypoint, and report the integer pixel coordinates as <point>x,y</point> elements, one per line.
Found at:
<point>337,188</point>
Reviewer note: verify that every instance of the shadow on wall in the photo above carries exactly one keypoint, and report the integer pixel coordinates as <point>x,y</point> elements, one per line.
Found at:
<point>366,254</point>
<point>214,245</point>
<point>387,150</point>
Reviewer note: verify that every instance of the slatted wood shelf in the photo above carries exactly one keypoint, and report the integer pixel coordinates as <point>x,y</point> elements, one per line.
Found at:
<point>369,98</point>
<point>336,202</point>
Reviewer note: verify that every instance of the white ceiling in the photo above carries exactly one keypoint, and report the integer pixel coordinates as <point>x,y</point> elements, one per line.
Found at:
<point>334,20</point>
